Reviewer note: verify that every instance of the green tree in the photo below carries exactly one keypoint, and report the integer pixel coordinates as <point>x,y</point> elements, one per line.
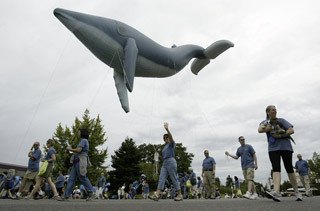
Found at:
<point>217,182</point>
<point>183,158</point>
<point>285,185</point>
<point>65,136</point>
<point>314,165</point>
<point>148,165</point>
<point>126,164</point>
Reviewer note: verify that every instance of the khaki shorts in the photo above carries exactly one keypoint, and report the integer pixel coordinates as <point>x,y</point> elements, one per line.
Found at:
<point>248,173</point>
<point>31,175</point>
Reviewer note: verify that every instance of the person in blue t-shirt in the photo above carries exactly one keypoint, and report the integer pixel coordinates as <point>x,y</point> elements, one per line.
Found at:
<point>279,131</point>
<point>60,183</point>
<point>50,158</point>
<point>208,175</point>
<point>33,167</point>
<point>80,163</point>
<point>249,164</point>
<point>302,167</point>
<point>169,166</point>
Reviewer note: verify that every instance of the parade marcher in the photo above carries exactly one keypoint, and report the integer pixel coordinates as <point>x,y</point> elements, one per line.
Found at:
<point>249,164</point>
<point>302,167</point>
<point>50,158</point>
<point>237,187</point>
<point>279,131</point>
<point>80,162</point>
<point>33,167</point>
<point>169,166</point>
<point>193,181</point>
<point>101,184</point>
<point>60,183</point>
<point>145,189</point>
<point>199,187</point>
<point>208,174</point>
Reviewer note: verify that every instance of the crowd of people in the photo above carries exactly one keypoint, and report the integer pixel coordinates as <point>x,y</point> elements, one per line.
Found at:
<point>38,183</point>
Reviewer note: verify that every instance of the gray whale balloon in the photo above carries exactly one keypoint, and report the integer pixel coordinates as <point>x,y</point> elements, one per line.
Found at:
<point>132,54</point>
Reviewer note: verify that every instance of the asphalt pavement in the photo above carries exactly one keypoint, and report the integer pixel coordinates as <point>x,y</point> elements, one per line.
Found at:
<point>262,204</point>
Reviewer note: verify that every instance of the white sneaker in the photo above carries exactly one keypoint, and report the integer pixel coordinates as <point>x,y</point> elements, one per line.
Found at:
<point>247,195</point>
<point>298,196</point>
<point>274,195</point>
<point>254,196</point>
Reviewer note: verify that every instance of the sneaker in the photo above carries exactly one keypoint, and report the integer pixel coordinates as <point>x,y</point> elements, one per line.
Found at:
<point>298,196</point>
<point>274,195</point>
<point>29,198</point>
<point>58,198</point>
<point>18,195</point>
<point>254,196</point>
<point>64,198</point>
<point>247,195</point>
<point>309,193</point>
<point>154,197</point>
<point>178,197</point>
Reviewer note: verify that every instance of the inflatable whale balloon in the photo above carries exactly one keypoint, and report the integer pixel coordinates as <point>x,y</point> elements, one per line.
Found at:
<point>132,54</point>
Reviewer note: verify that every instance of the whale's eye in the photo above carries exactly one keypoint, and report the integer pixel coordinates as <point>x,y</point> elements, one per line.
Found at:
<point>122,30</point>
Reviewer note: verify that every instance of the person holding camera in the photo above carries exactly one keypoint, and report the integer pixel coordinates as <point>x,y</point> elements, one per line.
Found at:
<point>80,162</point>
<point>279,131</point>
<point>33,167</point>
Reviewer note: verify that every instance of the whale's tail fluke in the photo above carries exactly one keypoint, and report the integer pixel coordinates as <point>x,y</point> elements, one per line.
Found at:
<point>211,52</point>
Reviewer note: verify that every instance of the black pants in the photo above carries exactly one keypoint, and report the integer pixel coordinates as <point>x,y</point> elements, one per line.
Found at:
<point>275,158</point>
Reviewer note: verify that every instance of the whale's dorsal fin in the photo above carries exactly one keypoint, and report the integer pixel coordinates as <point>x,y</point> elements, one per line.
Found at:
<point>121,90</point>
<point>129,62</point>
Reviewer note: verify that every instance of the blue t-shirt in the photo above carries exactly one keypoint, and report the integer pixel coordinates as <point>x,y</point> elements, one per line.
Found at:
<point>84,144</point>
<point>275,144</point>
<point>60,181</point>
<point>51,151</point>
<point>246,153</point>
<point>168,150</point>
<point>33,165</point>
<point>102,181</point>
<point>208,163</point>
<point>237,183</point>
<point>302,166</point>
<point>146,188</point>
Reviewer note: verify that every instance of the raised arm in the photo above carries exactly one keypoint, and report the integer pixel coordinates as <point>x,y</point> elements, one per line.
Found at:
<point>166,127</point>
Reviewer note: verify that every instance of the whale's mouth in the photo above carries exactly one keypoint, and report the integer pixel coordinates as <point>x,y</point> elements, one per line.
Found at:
<point>61,14</point>
<point>66,18</point>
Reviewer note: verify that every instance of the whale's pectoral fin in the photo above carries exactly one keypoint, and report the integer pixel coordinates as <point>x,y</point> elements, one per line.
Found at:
<point>129,62</point>
<point>121,90</point>
<point>211,52</point>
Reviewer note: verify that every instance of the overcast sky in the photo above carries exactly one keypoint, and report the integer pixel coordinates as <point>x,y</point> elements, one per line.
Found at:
<point>47,76</point>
